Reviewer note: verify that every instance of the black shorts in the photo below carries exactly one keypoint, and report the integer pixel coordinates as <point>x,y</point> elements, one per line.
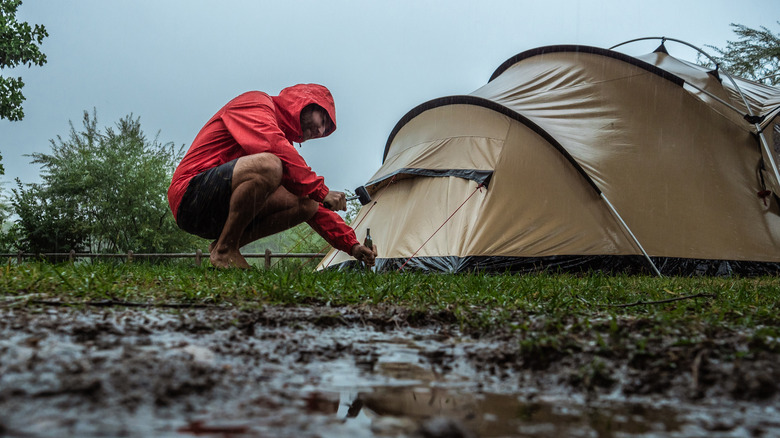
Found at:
<point>205,205</point>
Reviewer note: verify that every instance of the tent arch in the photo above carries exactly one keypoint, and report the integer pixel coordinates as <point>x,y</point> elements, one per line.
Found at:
<point>586,49</point>
<point>497,107</point>
<point>757,120</point>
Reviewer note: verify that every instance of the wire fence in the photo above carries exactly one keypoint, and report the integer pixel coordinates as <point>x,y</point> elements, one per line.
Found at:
<point>129,256</point>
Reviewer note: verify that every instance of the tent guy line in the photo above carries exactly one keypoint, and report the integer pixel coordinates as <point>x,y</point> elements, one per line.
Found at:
<point>477,189</point>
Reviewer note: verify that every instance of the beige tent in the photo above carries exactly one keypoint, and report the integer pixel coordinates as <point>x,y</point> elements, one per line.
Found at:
<point>575,157</point>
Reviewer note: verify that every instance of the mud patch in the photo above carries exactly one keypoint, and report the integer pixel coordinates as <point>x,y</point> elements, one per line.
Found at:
<point>319,371</point>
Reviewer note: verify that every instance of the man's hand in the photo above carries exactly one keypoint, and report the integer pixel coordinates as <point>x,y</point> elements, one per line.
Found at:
<point>363,254</point>
<point>335,201</point>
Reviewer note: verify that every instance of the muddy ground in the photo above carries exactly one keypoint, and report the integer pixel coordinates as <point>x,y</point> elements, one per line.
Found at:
<point>335,372</point>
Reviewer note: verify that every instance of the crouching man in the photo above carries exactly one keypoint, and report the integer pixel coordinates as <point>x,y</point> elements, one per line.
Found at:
<point>242,178</point>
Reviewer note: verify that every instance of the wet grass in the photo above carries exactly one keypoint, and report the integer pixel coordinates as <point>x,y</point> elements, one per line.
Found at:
<point>476,300</point>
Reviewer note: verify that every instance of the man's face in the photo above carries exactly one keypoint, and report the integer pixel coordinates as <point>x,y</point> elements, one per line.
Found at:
<point>314,123</point>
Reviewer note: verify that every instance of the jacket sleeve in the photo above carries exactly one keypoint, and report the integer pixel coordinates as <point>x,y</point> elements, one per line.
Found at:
<point>253,125</point>
<point>332,228</point>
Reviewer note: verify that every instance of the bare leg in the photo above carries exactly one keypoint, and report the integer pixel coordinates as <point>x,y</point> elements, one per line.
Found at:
<point>255,178</point>
<point>282,211</point>
<point>257,194</point>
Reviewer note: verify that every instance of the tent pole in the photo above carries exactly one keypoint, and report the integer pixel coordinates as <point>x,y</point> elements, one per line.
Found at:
<point>762,138</point>
<point>737,110</point>
<point>768,151</point>
<point>617,215</point>
<point>764,144</point>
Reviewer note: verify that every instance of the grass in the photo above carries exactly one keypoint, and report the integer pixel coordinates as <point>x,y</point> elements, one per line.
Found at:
<point>475,299</point>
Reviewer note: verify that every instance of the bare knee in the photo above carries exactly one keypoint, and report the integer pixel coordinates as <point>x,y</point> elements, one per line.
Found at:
<point>263,169</point>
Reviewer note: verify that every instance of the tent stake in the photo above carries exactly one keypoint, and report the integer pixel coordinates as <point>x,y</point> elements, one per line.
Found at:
<point>611,207</point>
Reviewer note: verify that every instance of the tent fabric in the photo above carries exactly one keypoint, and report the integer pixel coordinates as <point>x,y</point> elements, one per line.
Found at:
<point>595,158</point>
<point>467,123</point>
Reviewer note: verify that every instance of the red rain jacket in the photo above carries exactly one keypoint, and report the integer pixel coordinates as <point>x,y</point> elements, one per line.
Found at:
<point>255,122</point>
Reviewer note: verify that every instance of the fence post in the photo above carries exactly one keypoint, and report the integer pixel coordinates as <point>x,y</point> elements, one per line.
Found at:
<point>267,258</point>
<point>130,256</point>
<point>198,255</point>
<point>71,256</point>
<point>19,258</point>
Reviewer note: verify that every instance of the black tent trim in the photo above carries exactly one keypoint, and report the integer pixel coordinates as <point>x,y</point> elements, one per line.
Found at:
<point>480,176</point>
<point>608,264</point>
<point>591,50</point>
<point>489,104</point>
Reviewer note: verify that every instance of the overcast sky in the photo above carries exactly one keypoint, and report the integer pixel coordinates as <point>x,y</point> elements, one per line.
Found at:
<point>174,63</point>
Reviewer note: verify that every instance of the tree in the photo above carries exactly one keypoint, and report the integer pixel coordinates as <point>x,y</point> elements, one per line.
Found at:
<point>7,237</point>
<point>104,191</point>
<point>47,223</point>
<point>755,56</point>
<point>19,45</point>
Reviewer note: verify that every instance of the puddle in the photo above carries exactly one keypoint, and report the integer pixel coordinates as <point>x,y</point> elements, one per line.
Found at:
<point>494,415</point>
<point>222,373</point>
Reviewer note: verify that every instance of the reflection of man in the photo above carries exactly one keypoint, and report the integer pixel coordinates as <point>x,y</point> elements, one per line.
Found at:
<point>242,179</point>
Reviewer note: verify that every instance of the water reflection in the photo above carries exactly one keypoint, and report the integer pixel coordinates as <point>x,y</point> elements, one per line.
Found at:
<point>486,414</point>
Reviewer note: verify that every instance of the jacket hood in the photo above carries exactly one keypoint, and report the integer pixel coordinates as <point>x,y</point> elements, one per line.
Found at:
<point>292,100</point>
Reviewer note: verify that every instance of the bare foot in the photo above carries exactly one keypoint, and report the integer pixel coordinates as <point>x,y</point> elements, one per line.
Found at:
<point>212,245</point>
<point>228,259</point>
